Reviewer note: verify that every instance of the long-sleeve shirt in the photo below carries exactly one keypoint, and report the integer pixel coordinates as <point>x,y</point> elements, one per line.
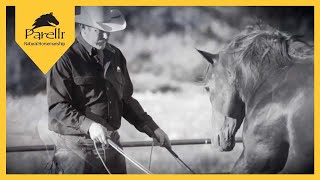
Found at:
<point>83,89</point>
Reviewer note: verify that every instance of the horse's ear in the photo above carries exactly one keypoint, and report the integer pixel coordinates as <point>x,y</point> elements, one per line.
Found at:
<point>211,58</point>
<point>299,49</point>
<point>51,13</point>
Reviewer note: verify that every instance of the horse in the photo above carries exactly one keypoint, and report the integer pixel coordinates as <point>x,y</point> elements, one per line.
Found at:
<point>45,20</point>
<point>264,79</point>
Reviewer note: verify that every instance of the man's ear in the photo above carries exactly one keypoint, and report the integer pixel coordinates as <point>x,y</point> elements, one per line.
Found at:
<point>82,28</point>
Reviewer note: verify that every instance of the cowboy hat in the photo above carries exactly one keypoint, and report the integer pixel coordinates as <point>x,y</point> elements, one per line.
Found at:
<point>97,17</point>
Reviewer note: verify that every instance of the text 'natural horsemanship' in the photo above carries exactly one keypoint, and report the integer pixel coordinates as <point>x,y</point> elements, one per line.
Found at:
<point>44,43</point>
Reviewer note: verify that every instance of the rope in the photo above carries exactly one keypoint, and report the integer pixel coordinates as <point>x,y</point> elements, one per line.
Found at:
<point>104,153</point>
<point>105,166</point>
<point>52,168</point>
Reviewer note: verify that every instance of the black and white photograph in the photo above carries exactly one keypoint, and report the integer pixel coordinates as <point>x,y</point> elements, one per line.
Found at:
<point>166,90</point>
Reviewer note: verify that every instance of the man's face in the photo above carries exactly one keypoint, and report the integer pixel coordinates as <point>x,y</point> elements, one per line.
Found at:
<point>94,36</point>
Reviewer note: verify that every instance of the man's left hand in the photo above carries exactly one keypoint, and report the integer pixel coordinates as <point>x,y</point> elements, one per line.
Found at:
<point>162,138</point>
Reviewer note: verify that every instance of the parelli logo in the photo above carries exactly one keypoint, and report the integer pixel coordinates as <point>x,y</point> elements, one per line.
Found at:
<point>40,33</point>
<point>45,31</point>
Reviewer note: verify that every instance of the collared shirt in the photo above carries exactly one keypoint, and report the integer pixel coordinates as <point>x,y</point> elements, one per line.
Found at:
<point>81,91</point>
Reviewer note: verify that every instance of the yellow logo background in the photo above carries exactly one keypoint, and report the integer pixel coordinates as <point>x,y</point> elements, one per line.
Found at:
<point>54,40</point>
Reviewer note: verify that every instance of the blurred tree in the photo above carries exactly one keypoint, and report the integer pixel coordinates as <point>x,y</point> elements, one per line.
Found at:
<point>22,76</point>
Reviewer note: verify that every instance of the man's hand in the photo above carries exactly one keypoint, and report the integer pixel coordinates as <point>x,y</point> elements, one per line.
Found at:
<point>98,133</point>
<point>162,138</point>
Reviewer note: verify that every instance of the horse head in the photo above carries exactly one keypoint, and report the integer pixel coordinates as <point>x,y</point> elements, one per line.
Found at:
<point>240,68</point>
<point>45,20</point>
<point>227,107</point>
<point>51,19</point>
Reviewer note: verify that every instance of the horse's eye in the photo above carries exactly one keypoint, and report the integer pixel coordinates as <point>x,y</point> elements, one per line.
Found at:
<point>207,88</point>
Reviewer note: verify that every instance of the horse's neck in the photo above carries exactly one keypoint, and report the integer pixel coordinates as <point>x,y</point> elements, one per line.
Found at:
<point>266,83</point>
<point>288,79</point>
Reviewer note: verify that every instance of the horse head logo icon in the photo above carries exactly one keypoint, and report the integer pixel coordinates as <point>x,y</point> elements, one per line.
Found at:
<point>45,20</point>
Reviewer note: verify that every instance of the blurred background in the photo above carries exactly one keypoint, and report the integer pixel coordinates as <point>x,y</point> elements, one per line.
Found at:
<point>159,45</point>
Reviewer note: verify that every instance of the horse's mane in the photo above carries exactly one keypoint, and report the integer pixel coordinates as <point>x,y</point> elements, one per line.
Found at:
<point>261,49</point>
<point>39,19</point>
<point>261,42</point>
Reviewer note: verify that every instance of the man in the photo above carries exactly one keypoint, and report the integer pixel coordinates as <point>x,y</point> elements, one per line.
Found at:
<point>89,90</point>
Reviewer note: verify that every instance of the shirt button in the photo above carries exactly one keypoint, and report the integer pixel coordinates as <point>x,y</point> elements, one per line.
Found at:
<point>107,89</point>
<point>109,102</point>
<point>110,117</point>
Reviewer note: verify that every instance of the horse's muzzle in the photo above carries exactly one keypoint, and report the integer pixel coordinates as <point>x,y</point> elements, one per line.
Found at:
<point>227,145</point>
<point>224,137</point>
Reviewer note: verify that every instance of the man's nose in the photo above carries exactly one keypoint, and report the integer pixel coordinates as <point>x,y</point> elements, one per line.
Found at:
<point>104,35</point>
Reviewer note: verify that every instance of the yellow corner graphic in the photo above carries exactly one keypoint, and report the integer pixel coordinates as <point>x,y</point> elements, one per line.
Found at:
<point>45,32</point>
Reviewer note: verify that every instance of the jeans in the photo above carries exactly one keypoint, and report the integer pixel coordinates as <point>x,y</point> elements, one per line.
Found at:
<point>77,155</point>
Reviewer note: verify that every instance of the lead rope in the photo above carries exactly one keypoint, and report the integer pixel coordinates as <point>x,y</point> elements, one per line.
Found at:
<point>51,166</point>
<point>104,153</point>
<point>150,158</point>
<point>105,166</point>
